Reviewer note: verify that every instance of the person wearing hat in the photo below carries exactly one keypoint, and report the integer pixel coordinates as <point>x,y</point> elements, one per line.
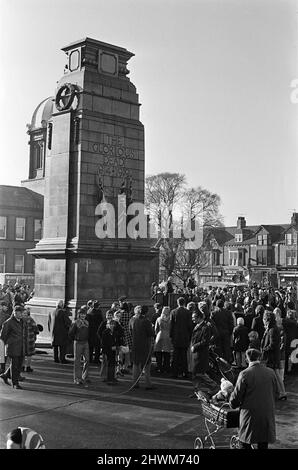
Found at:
<point>79,333</point>
<point>199,347</point>
<point>12,334</point>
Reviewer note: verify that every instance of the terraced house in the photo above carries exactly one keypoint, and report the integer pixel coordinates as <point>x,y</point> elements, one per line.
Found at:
<point>266,254</point>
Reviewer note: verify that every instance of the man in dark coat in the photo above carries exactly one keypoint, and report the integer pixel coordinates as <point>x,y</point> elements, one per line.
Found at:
<point>224,323</point>
<point>199,347</point>
<point>255,393</point>
<point>58,325</point>
<point>4,315</point>
<point>12,334</point>
<point>95,318</point>
<point>180,334</point>
<point>142,340</point>
<point>200,341</point>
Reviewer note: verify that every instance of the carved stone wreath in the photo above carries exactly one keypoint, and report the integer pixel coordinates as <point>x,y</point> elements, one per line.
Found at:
<point>65,96</point>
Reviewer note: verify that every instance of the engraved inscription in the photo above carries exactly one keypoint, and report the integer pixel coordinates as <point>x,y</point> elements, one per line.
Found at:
<point>112,146</point>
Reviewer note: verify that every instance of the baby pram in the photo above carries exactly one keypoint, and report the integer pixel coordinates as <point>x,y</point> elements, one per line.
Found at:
<point>217,416</point>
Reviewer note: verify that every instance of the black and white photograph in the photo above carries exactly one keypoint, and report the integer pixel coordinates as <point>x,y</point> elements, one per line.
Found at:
<point>148,229</point>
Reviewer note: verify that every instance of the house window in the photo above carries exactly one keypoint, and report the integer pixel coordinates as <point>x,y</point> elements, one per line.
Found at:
<point>233,258</point>
<point>3,223</point>
<point>262,239</point>
<point>291,257</point>
<point>215,255</point>
<point>37,229</point>
<point>239,237</point>
<point>2,262</point>
<point>20,228</point>
<point>38,155</point>
<point>289,239</point>
<point>262,257</point>
<point>19,264</point>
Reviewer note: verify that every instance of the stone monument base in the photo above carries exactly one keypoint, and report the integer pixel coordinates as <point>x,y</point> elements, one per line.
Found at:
<point>104,278</point>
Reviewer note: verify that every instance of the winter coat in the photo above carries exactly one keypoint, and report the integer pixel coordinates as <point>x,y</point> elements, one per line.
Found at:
<point>58,325</point>
<point>3,317</point>
<point>223,321</point>
<point>255,393</point>
<point>290,327</point>
<point>162,340</point>
<point>248,319</point>
<point>200,341</point>
<point>30,332</point>
<point>12,334</point>
<point>142,335</point>
<point>124,322</point>
<point>258,326</point>
<point>270,347</point>
<point>181,327</point>
<point>111,338</point>
<point>79,330</point>
<point>95,318</point>
<point>240,338</point>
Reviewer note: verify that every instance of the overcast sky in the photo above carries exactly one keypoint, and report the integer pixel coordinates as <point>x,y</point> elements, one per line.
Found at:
<point>213,76</point>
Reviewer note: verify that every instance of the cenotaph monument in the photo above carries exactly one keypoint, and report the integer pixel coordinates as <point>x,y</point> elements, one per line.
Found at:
<point>94,154</point>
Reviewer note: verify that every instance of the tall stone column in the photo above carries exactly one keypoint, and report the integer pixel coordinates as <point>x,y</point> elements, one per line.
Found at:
<point>95,151</point>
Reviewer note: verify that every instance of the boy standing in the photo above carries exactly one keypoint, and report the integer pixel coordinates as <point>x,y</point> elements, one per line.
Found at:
<point>79,332</point>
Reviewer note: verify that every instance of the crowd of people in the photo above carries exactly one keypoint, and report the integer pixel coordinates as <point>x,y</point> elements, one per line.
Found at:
<point>246,326</point>
<point>124,339</point>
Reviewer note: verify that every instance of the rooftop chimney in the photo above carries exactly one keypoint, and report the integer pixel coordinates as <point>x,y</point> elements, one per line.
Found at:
<point>241,222</point>
<point>294,218</point>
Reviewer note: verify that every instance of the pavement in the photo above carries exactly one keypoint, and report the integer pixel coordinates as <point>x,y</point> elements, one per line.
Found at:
<point>99,416</point>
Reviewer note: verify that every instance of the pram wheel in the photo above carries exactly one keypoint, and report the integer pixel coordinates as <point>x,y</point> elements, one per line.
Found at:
<point>234,442</point>
<point>198,444</point>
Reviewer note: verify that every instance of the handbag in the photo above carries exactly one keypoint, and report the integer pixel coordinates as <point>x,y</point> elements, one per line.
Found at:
<point>124,349</point>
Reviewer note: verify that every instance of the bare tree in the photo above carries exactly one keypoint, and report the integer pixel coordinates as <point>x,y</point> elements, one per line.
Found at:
<point>162,193</point>
<point>169,195</point>
<point>203,204</point>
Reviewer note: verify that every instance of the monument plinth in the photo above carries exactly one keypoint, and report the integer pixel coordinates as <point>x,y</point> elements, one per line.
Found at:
<point>94,152</point>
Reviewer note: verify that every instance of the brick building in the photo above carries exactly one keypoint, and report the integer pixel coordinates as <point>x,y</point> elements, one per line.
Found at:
<point>264,253</point>
<point>21,207</point>
<point>21,213</point>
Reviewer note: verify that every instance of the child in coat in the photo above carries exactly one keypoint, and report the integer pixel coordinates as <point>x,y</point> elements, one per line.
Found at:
<point>111,340</point>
